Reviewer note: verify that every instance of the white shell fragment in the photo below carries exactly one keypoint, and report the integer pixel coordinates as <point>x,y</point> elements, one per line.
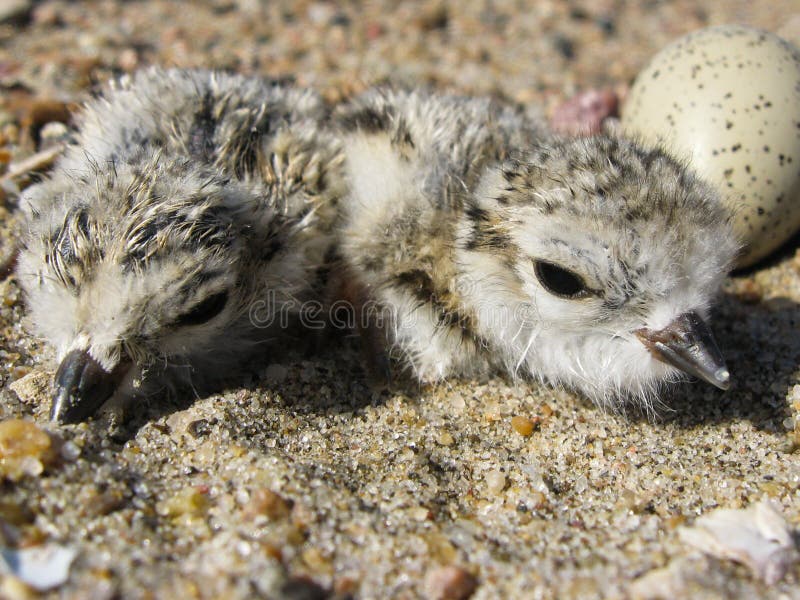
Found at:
<point>41,567</point>
<point>756,537</point>
<point>727,99</point>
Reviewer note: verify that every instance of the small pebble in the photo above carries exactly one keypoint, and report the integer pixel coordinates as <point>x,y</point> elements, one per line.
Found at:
<point>523,425</point>
<point>419,513</point>
<point>25,449</point>
<point>266,502</point>
<point>43,567</point>
<point>450,583</point>
<point>495,481</point>
<point>189,502</point>
<point>52,133</point>
<point>44,111</point>
<point>31,388</point>
<point>345,587</point>
<point>70,451</point>
<point>178,423</point>
<point>445,439</point>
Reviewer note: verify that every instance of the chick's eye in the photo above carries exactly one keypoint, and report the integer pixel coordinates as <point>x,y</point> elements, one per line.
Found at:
<point>559,281</point>
<point>205,310</point>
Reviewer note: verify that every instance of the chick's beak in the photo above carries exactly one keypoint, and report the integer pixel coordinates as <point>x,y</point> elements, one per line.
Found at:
<point>82,385</point>
<point>687,344</point>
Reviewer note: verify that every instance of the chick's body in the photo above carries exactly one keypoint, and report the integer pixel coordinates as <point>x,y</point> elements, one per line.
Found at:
<point>181,230</point>
<point>480,241</point>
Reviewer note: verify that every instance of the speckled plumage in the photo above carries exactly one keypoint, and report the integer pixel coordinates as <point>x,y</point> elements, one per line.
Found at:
<point>197,213</point>
<point>191,206</point>
<point>458,206</point>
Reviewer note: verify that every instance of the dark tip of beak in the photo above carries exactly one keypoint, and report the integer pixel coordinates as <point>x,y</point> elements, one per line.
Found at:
<point>688,345</point>
<point>82,386</point>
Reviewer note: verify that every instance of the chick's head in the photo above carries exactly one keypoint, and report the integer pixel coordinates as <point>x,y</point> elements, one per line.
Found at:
<point>138,275</point>
<point>601,260</point>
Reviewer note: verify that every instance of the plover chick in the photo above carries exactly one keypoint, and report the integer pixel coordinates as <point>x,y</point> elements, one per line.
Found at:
<point>473,240</point>
<point>192,212</point>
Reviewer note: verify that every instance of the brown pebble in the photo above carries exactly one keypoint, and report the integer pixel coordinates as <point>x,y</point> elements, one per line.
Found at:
<point>449,583</point>
<point>266,502</point>
<point>523,425</point>
<point>25,449</point>
<point>674,521</point>
<point>104,503</point>
<point>272,551</point>
<point>15,513</point>
<point>345,586</point>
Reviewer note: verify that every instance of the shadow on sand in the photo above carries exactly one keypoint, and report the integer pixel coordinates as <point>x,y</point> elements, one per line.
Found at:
<point>761,342</point>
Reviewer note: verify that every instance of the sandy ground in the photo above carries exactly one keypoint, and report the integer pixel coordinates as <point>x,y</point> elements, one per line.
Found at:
<point>303,483</point>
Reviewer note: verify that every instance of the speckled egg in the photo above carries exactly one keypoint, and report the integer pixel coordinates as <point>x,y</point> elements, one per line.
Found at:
<point>727,99</point>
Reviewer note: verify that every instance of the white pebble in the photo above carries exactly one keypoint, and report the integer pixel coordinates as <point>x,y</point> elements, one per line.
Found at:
<point>495,481</point>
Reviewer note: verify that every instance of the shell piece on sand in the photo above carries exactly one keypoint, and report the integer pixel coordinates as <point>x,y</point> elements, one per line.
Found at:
<point>41,567</point>
<point>757,537</point>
